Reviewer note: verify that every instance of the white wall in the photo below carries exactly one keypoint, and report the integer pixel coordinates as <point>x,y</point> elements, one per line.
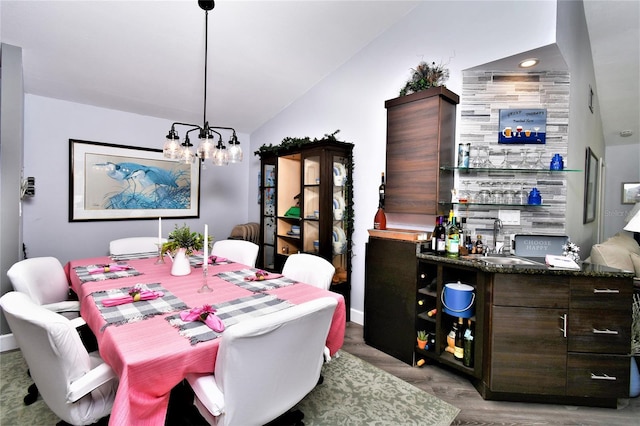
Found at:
<point>50,123</point>
<point>462,34</point>
<point>622,165</point>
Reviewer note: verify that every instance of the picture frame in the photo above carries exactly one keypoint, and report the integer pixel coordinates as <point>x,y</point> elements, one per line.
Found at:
<point>630,192</point>
<point>522,126</point>
<point>118,182</point>
<point>590,186</point>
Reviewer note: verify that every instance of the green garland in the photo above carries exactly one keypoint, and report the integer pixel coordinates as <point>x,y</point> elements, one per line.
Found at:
<point>290,142</point>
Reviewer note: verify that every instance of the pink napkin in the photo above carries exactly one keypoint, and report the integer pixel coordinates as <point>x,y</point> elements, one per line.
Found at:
<point>121,300</point>
<point>113,267</point>
<point>262,275</point>
<point>206,314</point>
<point>214,259</point>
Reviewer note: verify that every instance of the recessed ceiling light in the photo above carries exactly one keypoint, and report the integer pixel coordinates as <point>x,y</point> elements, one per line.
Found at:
<point>528,63</point>
<point>626,133</point>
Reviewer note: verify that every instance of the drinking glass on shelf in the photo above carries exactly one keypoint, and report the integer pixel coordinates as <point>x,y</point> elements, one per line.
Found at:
<point>538,162</point>
<point>523,160</point>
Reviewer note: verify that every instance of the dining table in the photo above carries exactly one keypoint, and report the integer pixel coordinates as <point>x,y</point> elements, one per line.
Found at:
<point>146,340</point>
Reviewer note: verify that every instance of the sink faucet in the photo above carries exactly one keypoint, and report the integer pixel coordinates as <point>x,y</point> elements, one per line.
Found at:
<point>497,226</point>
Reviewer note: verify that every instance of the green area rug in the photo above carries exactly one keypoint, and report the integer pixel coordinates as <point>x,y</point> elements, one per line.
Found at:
<point>354,393</point>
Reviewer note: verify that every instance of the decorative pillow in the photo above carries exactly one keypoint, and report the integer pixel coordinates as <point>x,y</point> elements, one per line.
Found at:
<point>625,240</point>
<point>611,255</point>
<point>635,259</point>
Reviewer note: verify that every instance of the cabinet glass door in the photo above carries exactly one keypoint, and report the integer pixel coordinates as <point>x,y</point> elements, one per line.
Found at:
<point>311,206</point>
<point>269,211</point>
<point>340,212</point>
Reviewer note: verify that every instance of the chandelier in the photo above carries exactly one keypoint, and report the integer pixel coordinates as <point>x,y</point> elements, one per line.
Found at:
<point>208,148</point>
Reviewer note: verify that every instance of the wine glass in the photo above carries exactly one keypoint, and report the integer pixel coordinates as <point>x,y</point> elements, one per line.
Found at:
<point>523,162</point>
<point>538,163</point>
<point>160,260</point>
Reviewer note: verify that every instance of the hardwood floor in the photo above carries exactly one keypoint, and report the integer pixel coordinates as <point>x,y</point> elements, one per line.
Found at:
<point>457,390</point>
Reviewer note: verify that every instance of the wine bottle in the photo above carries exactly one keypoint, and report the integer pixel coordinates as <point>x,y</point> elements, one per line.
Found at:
<point>463,235</point>
<point>453,239</point>
<point>380,219</point>
<point>458,350</point>
<point>441,236</point>
<point>421,302</point>
<point>467,356</point>
<point>420,362</point>
<point>434,236</point>
<point>381,190</point>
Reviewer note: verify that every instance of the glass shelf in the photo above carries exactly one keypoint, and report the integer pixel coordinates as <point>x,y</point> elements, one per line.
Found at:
<point>499,170</point>
<point>493,204</point>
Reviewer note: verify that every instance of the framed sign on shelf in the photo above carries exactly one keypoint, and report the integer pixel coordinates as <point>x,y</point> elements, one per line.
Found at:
<point>119,182</point>
<point>590,186</point>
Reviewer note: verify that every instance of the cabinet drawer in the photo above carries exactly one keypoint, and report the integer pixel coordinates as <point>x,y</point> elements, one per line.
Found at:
<point>530,291</point>
<point>604,376</point>
<point>599,331</point>
<point>609,293</point>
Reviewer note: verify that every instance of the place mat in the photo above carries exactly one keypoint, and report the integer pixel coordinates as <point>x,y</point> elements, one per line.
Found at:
<point>85,276</point>
<point>230,313</point>
<point>238,278</point>
<point>136,311</point>
<point>196,260</point>
<point>130,256</point>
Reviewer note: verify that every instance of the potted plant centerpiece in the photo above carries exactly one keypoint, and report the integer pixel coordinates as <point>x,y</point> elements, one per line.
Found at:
<point>181,244</point>
<point>425,76</point>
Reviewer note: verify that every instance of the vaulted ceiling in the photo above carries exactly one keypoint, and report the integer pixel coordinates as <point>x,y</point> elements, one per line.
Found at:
<point>147,57</point>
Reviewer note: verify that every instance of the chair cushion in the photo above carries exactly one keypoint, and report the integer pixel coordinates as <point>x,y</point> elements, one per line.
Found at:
<point>611,255</point>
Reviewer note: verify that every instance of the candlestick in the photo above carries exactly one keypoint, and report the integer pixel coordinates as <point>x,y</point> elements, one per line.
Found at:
<point>206,245</point>
<point>205,262</point>
<point>160,260</point>
<point>159,230</point>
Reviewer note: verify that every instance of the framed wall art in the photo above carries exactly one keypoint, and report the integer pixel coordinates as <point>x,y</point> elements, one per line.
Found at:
<point>522,126</point>
<point>631,193</point>
<point>118,182</point>
<point>590,186</point>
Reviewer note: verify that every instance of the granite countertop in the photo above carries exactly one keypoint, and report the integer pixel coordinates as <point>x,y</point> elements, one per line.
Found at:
<point>587,269</point>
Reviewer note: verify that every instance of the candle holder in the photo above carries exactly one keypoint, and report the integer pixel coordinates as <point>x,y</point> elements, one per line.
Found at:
<point>205,288</point>
<point>160,260</point>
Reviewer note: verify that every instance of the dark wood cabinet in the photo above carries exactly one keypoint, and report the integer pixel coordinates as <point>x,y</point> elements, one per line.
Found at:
<point>420,138</point>
<point>390,297</point>
<point>559,336</point>
<point>545,337</point>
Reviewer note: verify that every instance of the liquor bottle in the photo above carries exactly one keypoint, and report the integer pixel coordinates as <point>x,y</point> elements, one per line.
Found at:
<point>434,235</point>
<point>467,356</point>
<point>381,190</point>
<point>380,219</point>
<point>441,236</point>
<point>479,246</point>
<point>463,235</point>
<point>458,350</point>
<point>453,239</point>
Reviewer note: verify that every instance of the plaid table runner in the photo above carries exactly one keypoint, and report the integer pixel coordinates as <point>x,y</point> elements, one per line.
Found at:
<point>230,313</point>
<point>196,260</point>
<point>85,276</point>
<point>238,278</point>
<point>129,256</point>
<point>136,311</point>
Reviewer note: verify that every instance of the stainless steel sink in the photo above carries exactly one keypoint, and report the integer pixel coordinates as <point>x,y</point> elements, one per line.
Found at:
<point>510,260</point>
<point>503,260</point>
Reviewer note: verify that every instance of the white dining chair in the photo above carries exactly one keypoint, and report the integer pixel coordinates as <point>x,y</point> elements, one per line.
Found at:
<point>75,384</point>
<point>44,280</point>
<point>309,269</point>
<point>242,391</point>
<point>134,245</point>
<point>240,251</point>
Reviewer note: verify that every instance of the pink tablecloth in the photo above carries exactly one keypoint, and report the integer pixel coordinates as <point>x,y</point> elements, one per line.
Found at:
<point>150,356</point>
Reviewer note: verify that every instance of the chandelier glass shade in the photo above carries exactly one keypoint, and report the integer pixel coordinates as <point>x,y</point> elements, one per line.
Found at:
<point>208,147</point>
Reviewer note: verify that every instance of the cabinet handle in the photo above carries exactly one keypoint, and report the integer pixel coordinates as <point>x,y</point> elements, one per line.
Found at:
<point>607,331</point>
<point>603,377</point>
<point>564,325</point>
<point>606,290</point>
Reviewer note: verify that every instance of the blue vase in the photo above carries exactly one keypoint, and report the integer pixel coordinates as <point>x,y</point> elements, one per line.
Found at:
<point>634,380</point>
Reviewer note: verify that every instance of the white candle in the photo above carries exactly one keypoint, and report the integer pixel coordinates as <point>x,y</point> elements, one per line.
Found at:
<point>206,245</point>
<point>159,231</point>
